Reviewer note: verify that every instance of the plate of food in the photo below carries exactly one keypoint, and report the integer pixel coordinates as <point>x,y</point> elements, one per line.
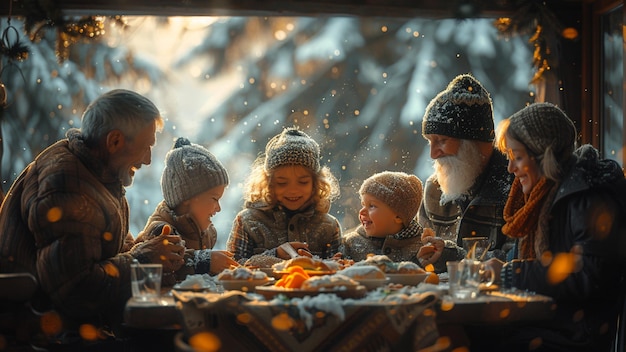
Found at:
<point>313,267</point>
<point>246,285</point>
<point>299,284</point>
<point>270,292</point>
<point>407,279</point>
<point>369,276</point>
<point>243,279</point>
<point>197,283</point>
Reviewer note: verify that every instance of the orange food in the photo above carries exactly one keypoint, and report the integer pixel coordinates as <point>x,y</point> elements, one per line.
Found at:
<point>432,278</point>
<point>428,232</point>
<point>427,249</point>
<point>294,279</point>
<point>296,269</point>
<point>166,230</point>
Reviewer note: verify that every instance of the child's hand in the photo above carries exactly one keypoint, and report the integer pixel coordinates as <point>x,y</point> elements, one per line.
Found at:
<point>221,260</point>
<point>301,248</point>
<point>431,251</point>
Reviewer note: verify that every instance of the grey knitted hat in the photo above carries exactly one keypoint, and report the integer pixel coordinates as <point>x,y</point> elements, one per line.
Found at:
<point>402,192</point>
<point>463,110</point>
<point>542,125</point>
<point>190,169</point>
<point>292,147</point>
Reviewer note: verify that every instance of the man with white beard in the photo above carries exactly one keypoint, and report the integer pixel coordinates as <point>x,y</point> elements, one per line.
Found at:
<point>466,194</point>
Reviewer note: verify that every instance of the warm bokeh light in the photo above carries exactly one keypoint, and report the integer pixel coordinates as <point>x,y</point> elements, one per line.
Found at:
<point>107,236</point>
<point>569,33</point>
<point>51,323</point>
<point>54,214</point>
<point>282,322</point>
<point>205,342</point>
<point>111,270</point>
<point>244,318</point>
<point>88,332</point>
<point>562,265</point>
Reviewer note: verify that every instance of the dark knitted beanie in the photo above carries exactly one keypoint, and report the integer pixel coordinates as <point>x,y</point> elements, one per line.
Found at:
<point>543,125</point>
<point>463,110</point>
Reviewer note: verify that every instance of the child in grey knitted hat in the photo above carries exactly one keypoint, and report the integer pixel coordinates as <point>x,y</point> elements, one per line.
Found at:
<point>287,198</point>
<point>193,182</point>
<point>389,204</point>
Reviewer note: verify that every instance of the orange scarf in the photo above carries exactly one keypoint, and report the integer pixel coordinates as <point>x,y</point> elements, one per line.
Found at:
<point>522,214</point>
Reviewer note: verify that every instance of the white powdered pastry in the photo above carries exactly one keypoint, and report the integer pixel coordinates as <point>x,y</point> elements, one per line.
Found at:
<point>408,268</point>
<point>328,282</point>
<point>363,272</point>
<point>197,281</point>
<point>241,273</point>
<point>381,261</point>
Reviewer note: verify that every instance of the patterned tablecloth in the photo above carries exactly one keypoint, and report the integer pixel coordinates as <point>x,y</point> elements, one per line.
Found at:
<point>320,323</point>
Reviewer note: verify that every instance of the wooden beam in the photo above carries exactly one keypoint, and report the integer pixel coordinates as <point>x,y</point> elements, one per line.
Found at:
<point>377,8</point>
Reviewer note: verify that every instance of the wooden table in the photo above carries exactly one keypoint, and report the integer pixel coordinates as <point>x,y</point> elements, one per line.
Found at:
<point>244,321</point>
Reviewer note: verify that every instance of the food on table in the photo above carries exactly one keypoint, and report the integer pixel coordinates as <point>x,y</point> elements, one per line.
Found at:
<point>328,282</point>
<point>367,272</point>
<point>428,232</point>
<point>381,261</point>
<point>294,278</point>
<point>406,268</point>
<point>388,266</point>
<point>261,261</point>
<point>308,264</point>
<point>241,273</point>
<point>197,282</point>
<point>432,278</point>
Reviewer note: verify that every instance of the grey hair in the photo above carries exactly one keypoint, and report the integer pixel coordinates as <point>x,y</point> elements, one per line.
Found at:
<point>118,109</point>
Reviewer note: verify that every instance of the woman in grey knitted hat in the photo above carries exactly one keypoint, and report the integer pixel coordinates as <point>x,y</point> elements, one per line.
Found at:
<point>389,203</point>
<point>287,198</point>
<point>567,212</point>
<point>193,182</point>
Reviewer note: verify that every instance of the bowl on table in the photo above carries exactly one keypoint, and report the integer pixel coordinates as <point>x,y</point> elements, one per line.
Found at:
<point>246,285</point>
<point>407,279</point>
<point>372,284</point>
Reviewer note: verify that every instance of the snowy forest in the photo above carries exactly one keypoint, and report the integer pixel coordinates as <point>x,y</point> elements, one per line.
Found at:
<point>359,86</point>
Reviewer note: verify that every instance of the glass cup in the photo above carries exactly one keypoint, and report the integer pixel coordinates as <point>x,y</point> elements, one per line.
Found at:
<point>145,281</point>
<point>465,276</point>
<point>475,246</point>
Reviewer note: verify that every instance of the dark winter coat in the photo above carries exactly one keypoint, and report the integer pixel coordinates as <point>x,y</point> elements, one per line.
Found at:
<point>588,216</point>
<point>399,247</point>
<point>259,229</point>
<point>478,215</point>
<point>66,223</point>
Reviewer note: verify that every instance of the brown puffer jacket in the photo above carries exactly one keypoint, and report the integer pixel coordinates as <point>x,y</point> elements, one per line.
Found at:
<point>66,222</point>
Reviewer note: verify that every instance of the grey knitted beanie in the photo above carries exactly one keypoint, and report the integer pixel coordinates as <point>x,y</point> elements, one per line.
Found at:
<point>542,125</point>
<point>190,169</point>
<point>402,192</point>
<point>463,110</point>
<point>292,147</point>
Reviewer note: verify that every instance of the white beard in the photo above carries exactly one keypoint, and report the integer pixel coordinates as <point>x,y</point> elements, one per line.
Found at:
<point>457,173</point>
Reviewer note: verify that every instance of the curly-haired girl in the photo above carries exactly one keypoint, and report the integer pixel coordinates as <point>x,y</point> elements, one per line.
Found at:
<point>286,200</point>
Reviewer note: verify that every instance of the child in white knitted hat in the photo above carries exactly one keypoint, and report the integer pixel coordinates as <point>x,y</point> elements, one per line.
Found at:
<point>389,204</point>
<point>192,182</point>
<point>287,198</point>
